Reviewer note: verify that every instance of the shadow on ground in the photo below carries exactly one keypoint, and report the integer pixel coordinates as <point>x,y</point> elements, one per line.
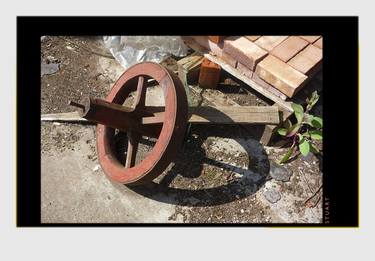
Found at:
<point>217,178</point>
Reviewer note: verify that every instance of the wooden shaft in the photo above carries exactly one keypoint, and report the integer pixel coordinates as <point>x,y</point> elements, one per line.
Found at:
<point>117,116</point>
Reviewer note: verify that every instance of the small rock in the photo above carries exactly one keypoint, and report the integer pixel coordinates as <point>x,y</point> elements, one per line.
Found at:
<point>242,211</point>
<point>272,195</point>
<point>96,167</point>
<point>195,136</point>
<point>279,172</point>
<point>51,59</point>
<point>57,123</point>
<point>49,68</point>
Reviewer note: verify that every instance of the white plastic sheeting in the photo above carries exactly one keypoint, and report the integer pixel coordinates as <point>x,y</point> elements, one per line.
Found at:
<point>129,50</point>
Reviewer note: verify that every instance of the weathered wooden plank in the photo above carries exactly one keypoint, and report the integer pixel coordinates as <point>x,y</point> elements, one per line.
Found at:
<point>188,68</point>
<point>64,116</point>
<point>269,130</point>
<point>235,115</point>
<point>202,115</point>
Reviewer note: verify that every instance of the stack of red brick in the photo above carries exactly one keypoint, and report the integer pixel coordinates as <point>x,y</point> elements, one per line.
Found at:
<point>280,64</point>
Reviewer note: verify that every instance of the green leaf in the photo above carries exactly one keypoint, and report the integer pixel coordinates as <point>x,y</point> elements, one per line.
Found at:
<point>287,124</point>
<point>317,122</point>
<point>314,149</point>
<point>308,118</point>
<point>304,147</point>
<point>293,130</point>
<point>297,107</point>
<point>287,155</point>
<point>281,131</point>
<point>316,134</point>
<point>306,134</point>
<point>312,101</point>
<point>298,111</point>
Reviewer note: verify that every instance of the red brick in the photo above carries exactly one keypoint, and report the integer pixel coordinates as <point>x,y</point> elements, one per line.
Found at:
<point>252,37</point>
<point>279,74</point>
<point>319,43</point>
<point>268,87</point>
<point>289,48</point>
<point>244,51</point>
<point>308,61</point>
<point>216,49</point>
<point>229,59</point>
<point>269,42</point>
<point>216,39</point>
<point>310,38</point>
<point>209,75</point>
<point>244,70</point>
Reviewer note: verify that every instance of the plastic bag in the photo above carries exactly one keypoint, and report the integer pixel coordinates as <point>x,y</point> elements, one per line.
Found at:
<point>129,50</point>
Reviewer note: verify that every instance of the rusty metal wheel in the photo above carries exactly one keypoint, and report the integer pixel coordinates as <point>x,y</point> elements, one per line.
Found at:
<point>167,124</point>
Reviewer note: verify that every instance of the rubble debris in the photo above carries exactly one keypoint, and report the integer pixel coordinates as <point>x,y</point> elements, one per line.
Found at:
<point>49,68</point>
<point>279,173</point>
<point>272,195</point>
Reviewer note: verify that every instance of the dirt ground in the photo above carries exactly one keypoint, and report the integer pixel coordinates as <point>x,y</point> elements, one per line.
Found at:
<point>221,174</point>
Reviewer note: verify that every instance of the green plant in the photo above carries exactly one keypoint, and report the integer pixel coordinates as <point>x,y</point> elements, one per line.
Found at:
<point>309,128</point>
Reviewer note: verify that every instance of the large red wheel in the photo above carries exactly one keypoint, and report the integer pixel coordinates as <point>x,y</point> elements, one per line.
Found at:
<point>170,134</point>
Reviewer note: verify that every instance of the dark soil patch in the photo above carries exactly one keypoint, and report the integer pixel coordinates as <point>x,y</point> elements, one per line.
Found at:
<point>78,76</point>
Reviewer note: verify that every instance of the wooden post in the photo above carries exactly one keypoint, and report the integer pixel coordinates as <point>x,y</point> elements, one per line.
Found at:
<point>188,68</point>
<point>269,130</point>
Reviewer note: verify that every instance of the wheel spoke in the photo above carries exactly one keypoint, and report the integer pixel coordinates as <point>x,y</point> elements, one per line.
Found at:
<point>158,118</point>
<point>140,99</point>
<point>133,139</point>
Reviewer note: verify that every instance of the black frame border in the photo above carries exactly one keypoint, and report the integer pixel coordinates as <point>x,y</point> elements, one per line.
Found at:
<point>340,113</point>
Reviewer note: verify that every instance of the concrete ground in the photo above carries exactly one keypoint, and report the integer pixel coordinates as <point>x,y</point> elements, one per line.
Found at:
<point>222,174</point>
